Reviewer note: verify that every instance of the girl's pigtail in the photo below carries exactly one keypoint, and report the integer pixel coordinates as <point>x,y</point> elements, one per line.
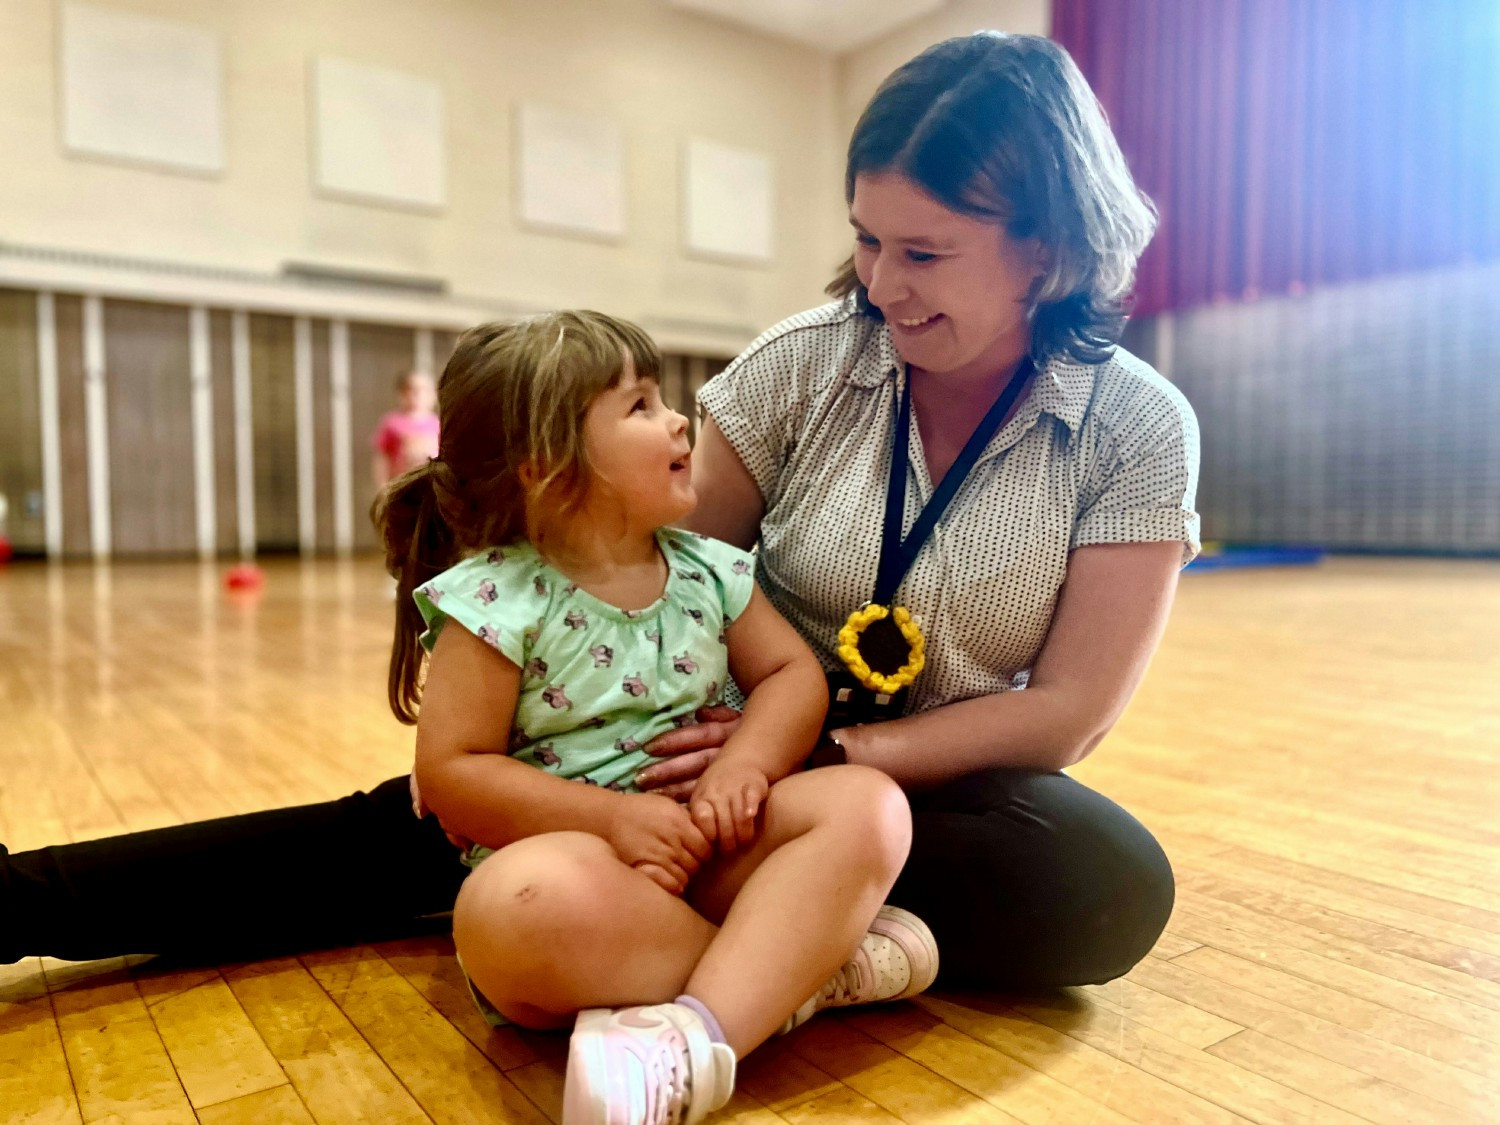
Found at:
<point>419,544</point>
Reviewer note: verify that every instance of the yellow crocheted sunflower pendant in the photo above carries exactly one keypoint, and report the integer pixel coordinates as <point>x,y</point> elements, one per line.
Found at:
<point>882,647</point>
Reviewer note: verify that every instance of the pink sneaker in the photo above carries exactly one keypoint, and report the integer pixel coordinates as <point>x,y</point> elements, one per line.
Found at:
<point>653,1065</point>
<point>897,958</point>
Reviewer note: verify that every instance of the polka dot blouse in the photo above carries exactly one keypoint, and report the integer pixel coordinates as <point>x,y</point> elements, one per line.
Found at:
<point>1095,454</point>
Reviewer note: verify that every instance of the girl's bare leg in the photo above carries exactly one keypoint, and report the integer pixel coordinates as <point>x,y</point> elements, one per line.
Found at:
<point>556,923</point>
<point>796,905</point>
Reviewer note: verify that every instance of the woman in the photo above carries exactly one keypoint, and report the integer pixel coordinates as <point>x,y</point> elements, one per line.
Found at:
<point>996,232</point>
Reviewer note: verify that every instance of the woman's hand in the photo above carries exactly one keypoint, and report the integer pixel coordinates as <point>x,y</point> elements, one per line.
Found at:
<point>689,752</point>
<point>657,836</point>
<point>726,800</point>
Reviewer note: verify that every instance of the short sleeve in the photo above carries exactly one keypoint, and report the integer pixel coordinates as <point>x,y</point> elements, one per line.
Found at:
<point>385,439</point>
<point>760,401</point>
<point>1148,487</point>
<point>730,570</point>
<point>486,595</point>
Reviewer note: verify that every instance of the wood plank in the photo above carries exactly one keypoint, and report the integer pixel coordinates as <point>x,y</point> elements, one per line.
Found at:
<point>1210,919</point>
<point>1342,1086</point>
<point>837,1107</point>
<point>450,1079</point>
<point>1243,1091</point>
<point>35,1085</point>
<point>780,1079</point>
<point>214,1047</point>
<point>1450,1011</point>
<point>429,965</point>
<point>1418,1035</point>
<point>1171,944</point>
<point>120,1068</point>
<point>1022,1092</point>
<point>1354,1049</point>
<point>335,1071</point>
<point>899,1082</point>
<point>1098,1074</point>
<point>277,1106</point>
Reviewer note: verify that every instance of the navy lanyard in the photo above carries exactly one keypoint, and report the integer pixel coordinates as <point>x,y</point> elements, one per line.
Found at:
<point>897,556</point>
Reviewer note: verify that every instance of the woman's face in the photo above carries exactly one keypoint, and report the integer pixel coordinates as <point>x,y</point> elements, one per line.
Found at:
<point>953,288</point>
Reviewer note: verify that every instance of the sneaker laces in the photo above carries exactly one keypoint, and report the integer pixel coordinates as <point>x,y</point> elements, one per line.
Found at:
<point>846,985</point>
<point>664,1063</point>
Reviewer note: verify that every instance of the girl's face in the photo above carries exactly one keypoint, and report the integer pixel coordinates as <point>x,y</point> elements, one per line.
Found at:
<point>418,394</point>
<point>639,452</point>
<point>952,287</point>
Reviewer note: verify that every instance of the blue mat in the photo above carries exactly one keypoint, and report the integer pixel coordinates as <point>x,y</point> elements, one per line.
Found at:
<point>1232,557</point>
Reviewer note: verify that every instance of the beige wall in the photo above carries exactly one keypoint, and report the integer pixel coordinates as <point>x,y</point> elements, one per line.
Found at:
<point>661,74</point>
<point>861,71</point>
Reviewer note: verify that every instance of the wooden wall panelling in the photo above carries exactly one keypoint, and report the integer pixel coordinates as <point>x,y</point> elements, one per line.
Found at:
<point>20,421</point>
<point>73,453</point>
<point>221,352</point>
<point>274,423</point>
<point>322,439</point>
<point>149,396</point>
<point>378,355</point>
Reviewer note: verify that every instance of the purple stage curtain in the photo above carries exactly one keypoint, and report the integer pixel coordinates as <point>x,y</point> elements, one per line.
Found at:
<point>1292,143</point>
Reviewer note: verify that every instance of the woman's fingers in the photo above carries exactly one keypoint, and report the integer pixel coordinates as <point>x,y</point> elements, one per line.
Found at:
<point>717,715</point>
<point>679,791</point>
<point>685,767</point>
<point>700,736</point>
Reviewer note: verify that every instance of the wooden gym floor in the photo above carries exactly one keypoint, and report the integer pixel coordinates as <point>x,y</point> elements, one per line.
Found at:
<point>1317,749</point>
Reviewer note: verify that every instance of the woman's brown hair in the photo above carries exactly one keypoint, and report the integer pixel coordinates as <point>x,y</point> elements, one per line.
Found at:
<point>1004,128</point>
<point>511,462</point>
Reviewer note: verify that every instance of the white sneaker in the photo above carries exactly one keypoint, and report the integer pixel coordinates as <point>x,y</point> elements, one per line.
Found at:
<point>897,958</point>
<point>653,1065</point>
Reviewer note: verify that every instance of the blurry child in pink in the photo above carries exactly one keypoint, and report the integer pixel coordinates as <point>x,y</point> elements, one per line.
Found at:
<point>407,437</point>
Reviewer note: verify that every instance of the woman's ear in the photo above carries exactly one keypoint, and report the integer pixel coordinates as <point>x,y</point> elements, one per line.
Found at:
<point>528,474</point>
<point>1041,256</point>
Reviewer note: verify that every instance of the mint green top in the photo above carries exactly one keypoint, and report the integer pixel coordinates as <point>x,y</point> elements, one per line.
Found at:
<point>598,682</point>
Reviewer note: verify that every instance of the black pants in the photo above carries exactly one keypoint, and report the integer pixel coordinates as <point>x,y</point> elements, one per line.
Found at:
<point>1027,880</point>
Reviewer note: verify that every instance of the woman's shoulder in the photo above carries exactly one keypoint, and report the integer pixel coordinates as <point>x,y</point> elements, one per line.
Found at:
<point>1130,398</point>
<point>830,337</point>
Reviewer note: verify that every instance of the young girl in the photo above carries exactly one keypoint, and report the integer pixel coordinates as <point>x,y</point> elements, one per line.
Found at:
<point>681,937</point>
<point>405,438</point>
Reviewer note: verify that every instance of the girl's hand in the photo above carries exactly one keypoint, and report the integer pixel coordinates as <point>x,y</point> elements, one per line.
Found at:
<point>688,753</point>
<point>656,835</point>
<point>725,803</point>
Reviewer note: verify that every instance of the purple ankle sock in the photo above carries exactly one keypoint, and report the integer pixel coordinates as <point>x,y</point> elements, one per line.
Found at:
<point>715,1032</point>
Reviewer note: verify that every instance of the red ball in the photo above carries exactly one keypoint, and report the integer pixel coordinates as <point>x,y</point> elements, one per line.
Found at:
<point>244,576</point>
<point>5,550</point>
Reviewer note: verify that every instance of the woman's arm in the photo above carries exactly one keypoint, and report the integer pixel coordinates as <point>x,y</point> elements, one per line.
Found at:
<point>1110,615</point>
<point>786,695</point>
<point>463,770</point>
<point>730,505</point>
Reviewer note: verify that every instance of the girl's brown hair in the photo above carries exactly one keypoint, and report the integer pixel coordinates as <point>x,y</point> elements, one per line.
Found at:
<point>511,462</point>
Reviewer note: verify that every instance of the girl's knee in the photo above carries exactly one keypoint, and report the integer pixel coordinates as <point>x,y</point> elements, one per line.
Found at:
<point>522,911</point>
<point>531,891</point>
<point>864,802</point>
